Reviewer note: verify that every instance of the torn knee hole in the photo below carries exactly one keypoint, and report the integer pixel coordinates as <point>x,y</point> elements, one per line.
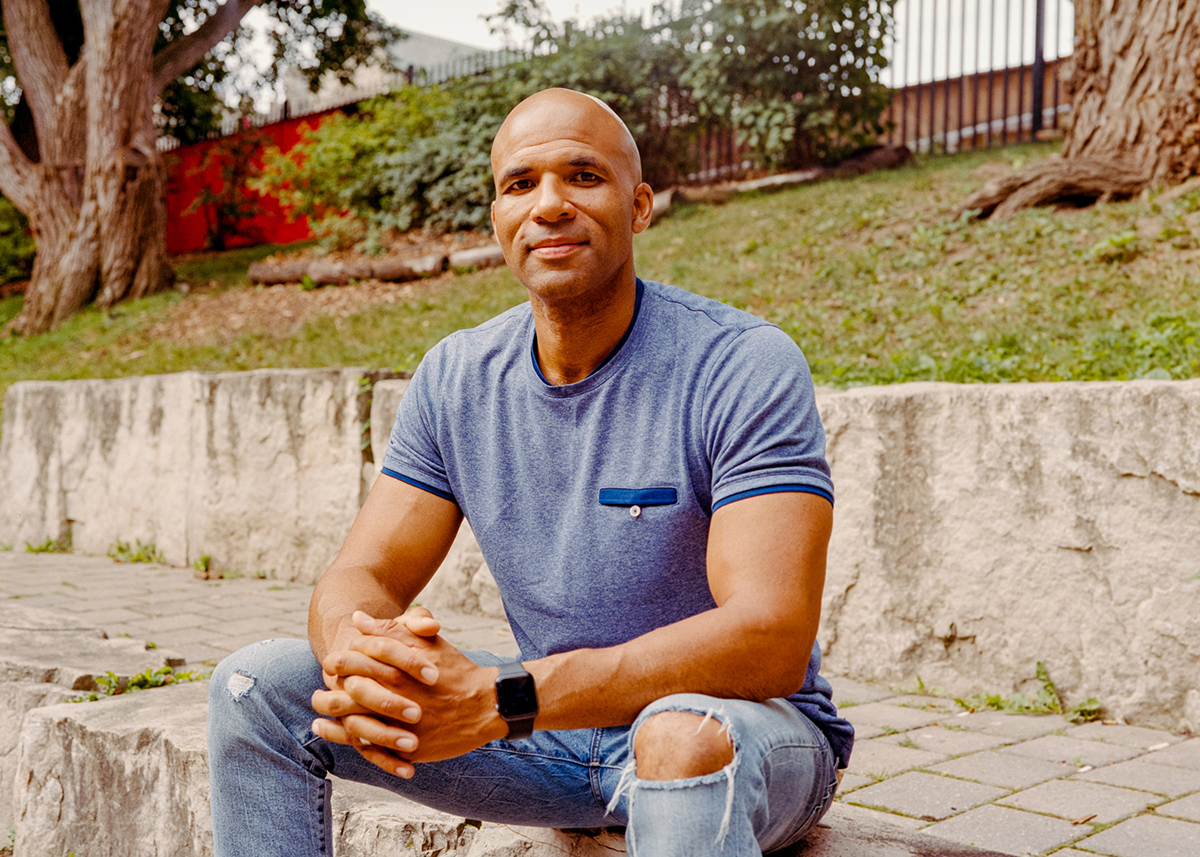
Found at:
<point>675,745</point>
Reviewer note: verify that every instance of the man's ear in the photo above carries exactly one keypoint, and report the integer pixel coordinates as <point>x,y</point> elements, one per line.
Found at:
<point>492,216</point>
<point>643,207</point>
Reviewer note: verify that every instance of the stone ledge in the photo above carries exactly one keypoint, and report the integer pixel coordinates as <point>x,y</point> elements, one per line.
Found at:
<point>129,776</point>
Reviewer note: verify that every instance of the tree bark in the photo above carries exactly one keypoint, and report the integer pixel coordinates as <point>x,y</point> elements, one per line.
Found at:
<point>95,194</point>
<point>1134,83</point>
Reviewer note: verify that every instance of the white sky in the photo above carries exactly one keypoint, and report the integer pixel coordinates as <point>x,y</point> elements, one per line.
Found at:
<point>461,20</point>
<point>941,24</point>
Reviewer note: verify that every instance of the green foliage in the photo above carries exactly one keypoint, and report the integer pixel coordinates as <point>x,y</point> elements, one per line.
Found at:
<point>16,244</point>
<point>336,36</point>
<point>110,684</point>
<point>799,80</point>
<point>769,68</point>
<point>122,552</point>
<point>202,564</point>
<point>5,547</point>
<point>1047,701</point>
<point>229,205</point>
<point>49,546</point>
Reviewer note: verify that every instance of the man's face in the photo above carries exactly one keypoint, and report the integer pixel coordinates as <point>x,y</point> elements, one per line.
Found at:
<point>568,196</point>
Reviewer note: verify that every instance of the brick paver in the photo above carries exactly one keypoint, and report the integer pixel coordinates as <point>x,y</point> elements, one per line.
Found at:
<point>1187,808</point>
<point>1072,751</point>
<point>1076,800</point>
<point>1008,830</point>
<point>1146,836</point>
<point>1004,769</point>
<point>1142,774</point>
<point>1012,783</point>
<point>926,796</point>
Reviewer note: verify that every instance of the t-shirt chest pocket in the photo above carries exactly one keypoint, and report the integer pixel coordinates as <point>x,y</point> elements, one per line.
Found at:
<point>638,500</point>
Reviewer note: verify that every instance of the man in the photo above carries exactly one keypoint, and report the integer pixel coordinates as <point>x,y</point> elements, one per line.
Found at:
<point>644,470</point>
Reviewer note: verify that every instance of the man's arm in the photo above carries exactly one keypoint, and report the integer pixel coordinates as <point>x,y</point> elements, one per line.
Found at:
<point>398,540</point>
<point>766,570</point>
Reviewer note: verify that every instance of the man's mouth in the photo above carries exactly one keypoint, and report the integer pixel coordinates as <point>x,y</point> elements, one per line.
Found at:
<point>556,248</point>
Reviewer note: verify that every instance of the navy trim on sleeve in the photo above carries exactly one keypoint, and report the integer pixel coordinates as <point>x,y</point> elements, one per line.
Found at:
<point>408,480</point>
<point>775,489</point>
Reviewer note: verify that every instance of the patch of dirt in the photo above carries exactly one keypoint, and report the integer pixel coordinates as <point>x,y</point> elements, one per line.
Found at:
<point>279,310</point>
<point>7,290</point>
<point>407,245</point>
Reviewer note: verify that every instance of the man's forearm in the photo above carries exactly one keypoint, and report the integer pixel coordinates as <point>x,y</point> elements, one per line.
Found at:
<point>340,592</point>
<point>719,653</point>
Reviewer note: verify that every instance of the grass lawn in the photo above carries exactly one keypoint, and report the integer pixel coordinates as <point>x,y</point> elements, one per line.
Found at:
<point>874,277</point>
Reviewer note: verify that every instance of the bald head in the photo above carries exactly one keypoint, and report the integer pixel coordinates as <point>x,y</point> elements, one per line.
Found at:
<point>564,114</point>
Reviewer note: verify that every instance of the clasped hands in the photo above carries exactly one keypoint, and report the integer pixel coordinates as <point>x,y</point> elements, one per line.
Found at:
<point>399,693</point>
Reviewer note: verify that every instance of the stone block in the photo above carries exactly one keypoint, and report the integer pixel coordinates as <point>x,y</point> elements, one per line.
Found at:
<point>125,775</point>
<point>1185,755</point>
<point>1127,736</point>
<point>926,796</point>
<point>969,514</point>
<point>851,831</point>
<point>372,822</point>
<point>948,742</point>
<point>890,717</point>
<point>1075,799</point>
<point>1146,836</point>
<point>261,471</point>
<point>1142,774</point>
<point>1187,808</point>
<point>1009,831</point>
<point>1057,748</point>
<point>1019,727</point>
<point>1003,769</point>
<point>873,758</point>
<point>848,690</point>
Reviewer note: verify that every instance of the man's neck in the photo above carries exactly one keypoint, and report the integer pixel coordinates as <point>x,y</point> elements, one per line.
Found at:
<point>575,337</point>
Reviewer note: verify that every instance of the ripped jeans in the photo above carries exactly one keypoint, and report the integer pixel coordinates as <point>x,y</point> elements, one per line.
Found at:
<point>271,796</point>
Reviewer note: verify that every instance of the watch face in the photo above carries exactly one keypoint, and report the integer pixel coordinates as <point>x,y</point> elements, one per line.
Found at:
<point>516,696</point>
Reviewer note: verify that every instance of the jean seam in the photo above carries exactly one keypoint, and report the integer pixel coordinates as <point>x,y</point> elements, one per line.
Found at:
<point>594,767</point>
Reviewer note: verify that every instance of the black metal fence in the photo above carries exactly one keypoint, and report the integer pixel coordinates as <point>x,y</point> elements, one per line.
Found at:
<point>972,73</point>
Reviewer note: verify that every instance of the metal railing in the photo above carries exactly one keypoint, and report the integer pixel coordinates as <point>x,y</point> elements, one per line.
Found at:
<point>972,73</point>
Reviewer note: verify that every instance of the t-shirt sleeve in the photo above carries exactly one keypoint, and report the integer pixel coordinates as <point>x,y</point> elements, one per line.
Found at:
<point>412,453</point>
<point>762,429</point>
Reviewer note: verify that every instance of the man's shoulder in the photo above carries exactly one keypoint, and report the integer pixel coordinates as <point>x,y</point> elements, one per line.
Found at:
<point>710,329</point>
<point>690,309</point>
<point>475,346</point>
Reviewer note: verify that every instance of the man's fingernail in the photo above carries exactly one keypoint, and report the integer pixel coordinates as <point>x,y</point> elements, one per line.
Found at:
<point>412,714</point>
<point>430,674</point>
<point>406,744</point>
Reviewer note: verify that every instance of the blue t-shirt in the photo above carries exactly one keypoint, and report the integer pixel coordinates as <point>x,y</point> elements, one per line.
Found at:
<point>698,406</point>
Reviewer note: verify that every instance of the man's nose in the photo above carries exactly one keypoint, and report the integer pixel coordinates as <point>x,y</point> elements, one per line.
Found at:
<point>552,203</point>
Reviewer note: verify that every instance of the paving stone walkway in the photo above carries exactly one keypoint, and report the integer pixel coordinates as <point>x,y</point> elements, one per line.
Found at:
<point>1021,785</point>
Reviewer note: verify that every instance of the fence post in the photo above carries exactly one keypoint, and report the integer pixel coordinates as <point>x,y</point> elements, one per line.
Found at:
<point>1039,65</point>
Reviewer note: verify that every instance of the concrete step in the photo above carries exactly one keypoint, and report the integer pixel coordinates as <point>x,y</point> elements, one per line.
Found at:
<point>128,776</point>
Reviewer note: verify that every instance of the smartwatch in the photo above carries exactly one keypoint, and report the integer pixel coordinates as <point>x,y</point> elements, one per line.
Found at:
<point>516,699</point>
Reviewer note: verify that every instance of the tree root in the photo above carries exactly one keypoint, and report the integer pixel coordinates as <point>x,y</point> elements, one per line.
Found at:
<point>1075,181</point>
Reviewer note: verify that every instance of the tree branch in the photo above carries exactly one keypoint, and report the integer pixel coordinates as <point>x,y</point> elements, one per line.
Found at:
<point>16,171</point>
<point>183,53</point>
<point>37,55</point>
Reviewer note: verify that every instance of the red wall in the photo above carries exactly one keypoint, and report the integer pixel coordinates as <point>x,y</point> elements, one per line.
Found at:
<point>186,177</point>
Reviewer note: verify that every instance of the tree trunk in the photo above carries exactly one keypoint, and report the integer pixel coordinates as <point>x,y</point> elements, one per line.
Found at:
<point>96,197</point>
<point>1134,83</point>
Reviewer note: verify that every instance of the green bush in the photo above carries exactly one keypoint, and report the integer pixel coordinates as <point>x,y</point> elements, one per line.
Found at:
<point>16,244</point>
<point>797,82</point>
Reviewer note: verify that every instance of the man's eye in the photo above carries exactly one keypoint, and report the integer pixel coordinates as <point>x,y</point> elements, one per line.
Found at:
<point>521,184</point>
<point>587,177</point>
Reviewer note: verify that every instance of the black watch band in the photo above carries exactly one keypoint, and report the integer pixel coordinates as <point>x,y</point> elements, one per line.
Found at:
<point>516,699</point>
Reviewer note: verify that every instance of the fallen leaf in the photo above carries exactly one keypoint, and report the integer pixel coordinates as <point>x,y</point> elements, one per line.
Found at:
<point>1083,819</point>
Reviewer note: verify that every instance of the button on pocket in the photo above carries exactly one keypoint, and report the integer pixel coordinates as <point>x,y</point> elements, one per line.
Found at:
<point>635,511</point>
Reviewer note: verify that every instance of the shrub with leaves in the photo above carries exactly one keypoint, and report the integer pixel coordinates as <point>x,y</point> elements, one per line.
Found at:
<point>797,81</point>
<point>16,244</point>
